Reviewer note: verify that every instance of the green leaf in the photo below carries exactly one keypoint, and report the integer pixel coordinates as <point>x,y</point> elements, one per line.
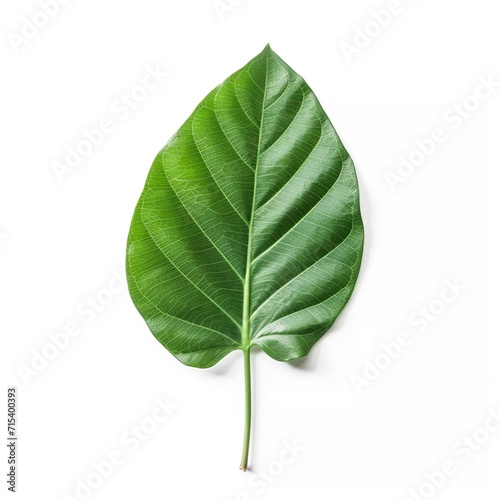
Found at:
<point>248,231</point>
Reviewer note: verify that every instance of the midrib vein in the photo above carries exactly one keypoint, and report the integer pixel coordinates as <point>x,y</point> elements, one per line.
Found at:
<point>245,331</point>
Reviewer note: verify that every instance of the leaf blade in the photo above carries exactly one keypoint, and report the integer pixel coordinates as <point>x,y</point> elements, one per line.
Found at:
<point>254,205</point>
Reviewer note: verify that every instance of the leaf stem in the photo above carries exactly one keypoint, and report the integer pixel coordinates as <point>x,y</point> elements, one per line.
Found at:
<point>245,327</point>
<point>248,409</point>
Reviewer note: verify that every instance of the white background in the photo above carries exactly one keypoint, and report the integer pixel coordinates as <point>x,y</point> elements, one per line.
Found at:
<point>61,242</point>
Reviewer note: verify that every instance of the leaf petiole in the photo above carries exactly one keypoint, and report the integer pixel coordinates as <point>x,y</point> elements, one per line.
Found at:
<point>248,409</point>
